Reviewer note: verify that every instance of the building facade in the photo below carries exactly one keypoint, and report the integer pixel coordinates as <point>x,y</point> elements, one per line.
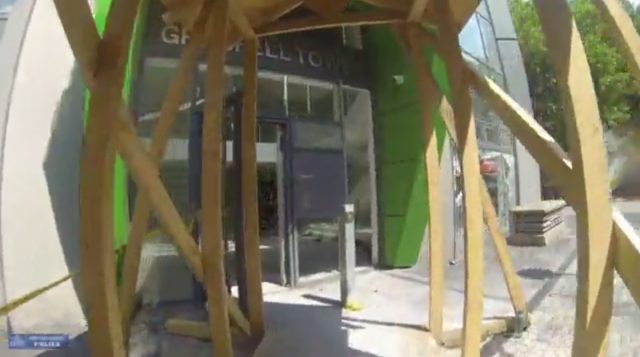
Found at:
<point>490,46</point>
<point>338,123</point>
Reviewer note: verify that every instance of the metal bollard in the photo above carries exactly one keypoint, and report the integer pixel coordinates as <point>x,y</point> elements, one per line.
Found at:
<point>347,254</point>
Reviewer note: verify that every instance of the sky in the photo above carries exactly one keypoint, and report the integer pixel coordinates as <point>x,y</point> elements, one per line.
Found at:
<point>4,5</point>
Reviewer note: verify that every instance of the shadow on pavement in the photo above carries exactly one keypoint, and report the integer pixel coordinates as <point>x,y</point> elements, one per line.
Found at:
<point>308,330</point>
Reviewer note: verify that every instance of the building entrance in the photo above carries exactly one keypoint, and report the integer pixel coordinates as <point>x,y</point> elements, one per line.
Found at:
<point>314,154</point>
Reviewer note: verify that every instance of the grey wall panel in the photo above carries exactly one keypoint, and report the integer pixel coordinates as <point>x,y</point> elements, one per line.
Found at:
<point>11,40</point>
<point>41,124</point>
<point>527,169</point>
<point>501,17</point>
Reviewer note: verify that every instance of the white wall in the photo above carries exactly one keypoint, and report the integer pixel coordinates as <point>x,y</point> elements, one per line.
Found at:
<point>39,223</point>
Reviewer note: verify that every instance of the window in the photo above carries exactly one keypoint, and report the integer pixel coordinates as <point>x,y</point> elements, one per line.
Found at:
<point>297,100</point>
<point>3,22</point>
<point>5,9</point>
<point>471,39</point>
<point>490,44</point>
<point>6,6</point>
<point>311,100</point>
<point>322,100</point>
<point>271,95</point>
<point>482,9</point>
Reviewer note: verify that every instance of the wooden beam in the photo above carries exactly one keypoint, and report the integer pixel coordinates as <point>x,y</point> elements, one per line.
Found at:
<point>622,31</point>
<point>90,38</point>
<point>314,22</point>
<point>161,133</point>
<point>551,157</point>
<point>251,222</point>
<point>266,15</point>
<point>145,173</point>
<point>326,8</point>
<point>454,338</point>
<point>417,10</point>
<point>108,57</point>
<point>557,166</point>
<point>240,20</point>
<point>212,164</point>
<point>594,302</point>
<point>80,29</point>
<point>181,12</point>
<point>468,151</point>
<point>429,97</point>
<point>491,221</point>
<point>116,39</point>
<point>462,10</point>
<point>500,244</point>
<point>194,329</point>
<point>274,12</point>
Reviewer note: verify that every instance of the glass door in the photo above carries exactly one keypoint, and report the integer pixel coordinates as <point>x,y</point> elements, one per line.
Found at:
<point>318,191</point>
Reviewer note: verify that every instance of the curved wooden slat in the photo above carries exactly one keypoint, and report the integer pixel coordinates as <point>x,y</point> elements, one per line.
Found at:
<point>315,22</point>
<point>461,9</point>
<point>96,182</point>
<point>212,164</point>
<point>428,99</point>
<point>326,8</point>
<point>622,31</point>
<point>594,301</point>
<point>468,152</point>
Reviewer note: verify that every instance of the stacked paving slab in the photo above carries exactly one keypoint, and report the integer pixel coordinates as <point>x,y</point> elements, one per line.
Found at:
<point>537,224</point>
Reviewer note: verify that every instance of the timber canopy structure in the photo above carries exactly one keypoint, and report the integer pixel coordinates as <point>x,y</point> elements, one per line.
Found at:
<point>606,242</point>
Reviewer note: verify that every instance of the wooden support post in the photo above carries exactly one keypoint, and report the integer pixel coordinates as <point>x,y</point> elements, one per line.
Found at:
<point>622,31</point>
<point>145,174</point>
<point>161,133</point>
<point>96,227</point>
<point>249,180</point>
<point>497,237</point>
<point>96,185</point>
<point>84,42</point>
<point>594,300</point>
<point>559,168</point>
<point>468,151</point>
<point>212,250</point>
<point>428,98</point>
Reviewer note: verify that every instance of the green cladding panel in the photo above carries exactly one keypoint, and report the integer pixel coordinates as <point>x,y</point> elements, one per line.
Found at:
<point>402,190</point>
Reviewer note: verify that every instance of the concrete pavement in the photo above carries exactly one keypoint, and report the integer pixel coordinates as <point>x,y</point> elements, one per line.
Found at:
<point>307,321</point>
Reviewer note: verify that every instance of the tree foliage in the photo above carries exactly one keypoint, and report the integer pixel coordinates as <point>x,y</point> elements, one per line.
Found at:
<point>618,93</point>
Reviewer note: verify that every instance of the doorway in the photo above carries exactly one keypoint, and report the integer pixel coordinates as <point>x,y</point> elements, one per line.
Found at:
<point>318,189</point>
